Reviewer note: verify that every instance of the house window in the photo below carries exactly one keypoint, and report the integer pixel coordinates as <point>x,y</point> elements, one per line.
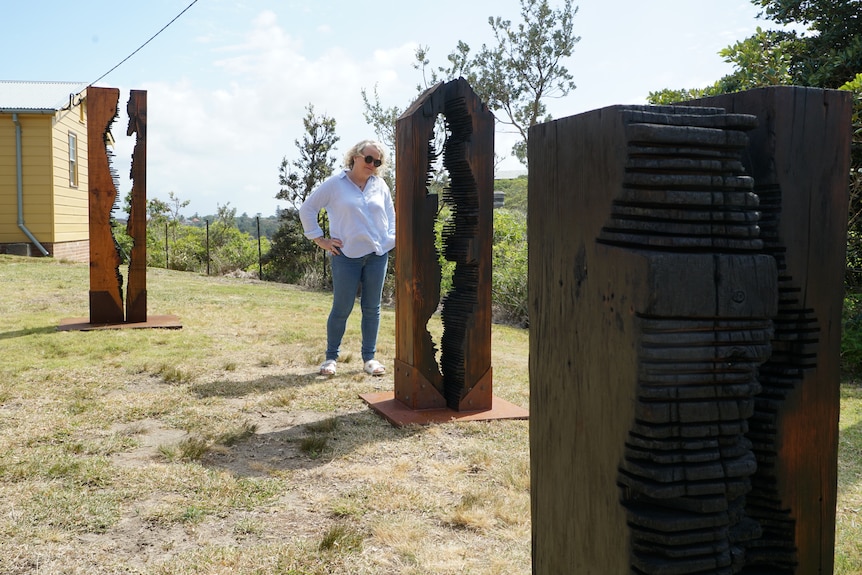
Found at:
<point>73,159</point>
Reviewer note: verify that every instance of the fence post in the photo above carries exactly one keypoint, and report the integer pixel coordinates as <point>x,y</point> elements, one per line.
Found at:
<point>259,256</point>
<point>167,267</point>
<point>208,246</point>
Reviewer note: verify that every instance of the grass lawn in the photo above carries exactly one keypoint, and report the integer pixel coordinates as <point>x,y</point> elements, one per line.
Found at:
<point>217,449</point>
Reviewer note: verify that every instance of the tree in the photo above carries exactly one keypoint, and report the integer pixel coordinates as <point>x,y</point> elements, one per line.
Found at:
<point>763,59</point>
<point>291,253</point>
<point>314,164</point>
<point>515,76</point>
<point>827,55</point>
<point>525,67</point>
<point>831,54</point>
<point>382,119</point>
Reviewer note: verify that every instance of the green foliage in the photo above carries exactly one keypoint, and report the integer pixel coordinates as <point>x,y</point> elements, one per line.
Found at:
<point>342,538</point>
<point>123,240</point>
<point>176,245</point>
<point>851,337</point>
<point>249,225</point>
<point>447,268</point>
<point>827,55</point>
<point>669,96</point>
<point>509,278</point>
<point>509,263</point>
<point>292,258</point>
<point>509,254</point>
<point>830,53</point>
<point>525,67</point>
<point>186,248</point>
<point>513,77</point>
<point>315,163</point>
<point>291,255</point>
<point>853,275</point>
<point>515,193</point>
<point>382,120</point>
<point>760,60</point>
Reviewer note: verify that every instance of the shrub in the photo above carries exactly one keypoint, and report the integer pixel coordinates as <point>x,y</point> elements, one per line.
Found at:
<point>291,256</point>
<point>509,280</point>
<point>851,340</point>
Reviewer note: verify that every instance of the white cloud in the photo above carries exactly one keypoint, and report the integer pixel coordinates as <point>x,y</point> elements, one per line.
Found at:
<point>225,111</point>
<point>222,142</point>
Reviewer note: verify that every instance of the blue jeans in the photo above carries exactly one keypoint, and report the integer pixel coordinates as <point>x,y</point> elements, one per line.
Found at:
<point>348,274</point>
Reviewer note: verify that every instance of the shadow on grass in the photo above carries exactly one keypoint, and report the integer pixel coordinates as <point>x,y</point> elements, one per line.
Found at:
<point>28,331</point>
<point>275,382</point>
<point>303,444</point>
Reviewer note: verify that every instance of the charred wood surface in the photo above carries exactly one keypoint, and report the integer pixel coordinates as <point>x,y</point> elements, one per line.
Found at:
<point>462,379</point>
<point>685,294</point>
<point>136,291</point>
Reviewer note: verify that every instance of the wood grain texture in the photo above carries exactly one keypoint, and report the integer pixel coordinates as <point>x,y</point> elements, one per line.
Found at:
<point>106,300</point>
<point>685,301</point>
<point>799,157</point>
<point>646,333</point>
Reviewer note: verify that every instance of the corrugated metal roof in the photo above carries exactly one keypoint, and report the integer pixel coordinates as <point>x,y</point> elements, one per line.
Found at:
<point>37,96</point>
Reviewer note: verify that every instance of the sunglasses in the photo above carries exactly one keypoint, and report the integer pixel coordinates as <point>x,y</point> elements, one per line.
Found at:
<point>369,159</point>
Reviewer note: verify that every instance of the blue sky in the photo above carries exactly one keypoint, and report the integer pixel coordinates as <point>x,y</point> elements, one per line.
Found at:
<point>229,81</point>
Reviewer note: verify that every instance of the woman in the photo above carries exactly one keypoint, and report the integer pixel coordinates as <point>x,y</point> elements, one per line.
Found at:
<point>362,231</point>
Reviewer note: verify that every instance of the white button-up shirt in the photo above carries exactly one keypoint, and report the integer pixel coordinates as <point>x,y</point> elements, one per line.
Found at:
<point>364,220</point>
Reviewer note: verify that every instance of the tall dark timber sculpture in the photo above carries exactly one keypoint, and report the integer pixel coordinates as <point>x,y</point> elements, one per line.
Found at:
<point>463,379</point>
<point>136,298</point>
<point>686,273</point>
<point>106,281</point>
<point>461,383</point>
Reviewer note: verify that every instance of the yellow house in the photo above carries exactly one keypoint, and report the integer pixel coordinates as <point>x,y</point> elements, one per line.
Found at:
<point>43,169</point>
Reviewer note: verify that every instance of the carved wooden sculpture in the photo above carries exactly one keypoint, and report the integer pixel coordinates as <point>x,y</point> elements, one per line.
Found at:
<point>653,287</point>
<point>106,282</point>
<point>136,304</point>
<point>798,156</point>
<point>106,298</point>
<point>462,382</point>
<point>463,379</point>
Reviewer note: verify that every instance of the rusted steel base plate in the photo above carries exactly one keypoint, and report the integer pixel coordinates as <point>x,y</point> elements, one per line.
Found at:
<point>153,321</point>
<point>400,415</point>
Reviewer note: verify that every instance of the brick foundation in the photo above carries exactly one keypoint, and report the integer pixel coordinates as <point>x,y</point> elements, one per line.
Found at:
<point>72,251</point>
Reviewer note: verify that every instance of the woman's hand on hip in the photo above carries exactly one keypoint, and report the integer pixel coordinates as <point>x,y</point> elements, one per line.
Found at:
<point>332,245</point>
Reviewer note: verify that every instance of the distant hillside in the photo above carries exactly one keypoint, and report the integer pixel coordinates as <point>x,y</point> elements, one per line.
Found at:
<point>515,191</point>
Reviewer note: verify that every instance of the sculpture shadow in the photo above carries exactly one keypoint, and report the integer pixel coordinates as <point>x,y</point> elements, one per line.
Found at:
<point>28,331</point>
<point>236,389</point>
<point>288,441</point>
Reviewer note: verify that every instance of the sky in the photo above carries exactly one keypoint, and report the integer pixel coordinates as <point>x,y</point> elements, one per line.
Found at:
<point>229,81</point>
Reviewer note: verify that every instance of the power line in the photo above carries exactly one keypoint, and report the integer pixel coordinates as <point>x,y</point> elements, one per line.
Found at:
<point>165,27</point>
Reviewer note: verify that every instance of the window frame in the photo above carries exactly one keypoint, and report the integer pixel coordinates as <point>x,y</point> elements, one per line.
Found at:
<point>73,159</point>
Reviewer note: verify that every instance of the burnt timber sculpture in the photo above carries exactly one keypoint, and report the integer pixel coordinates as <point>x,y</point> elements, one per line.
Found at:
<point>136,296</point>
<point>462,382</point>
<point>798,156</point>
<point>106,281</point>
<point>685,295</point>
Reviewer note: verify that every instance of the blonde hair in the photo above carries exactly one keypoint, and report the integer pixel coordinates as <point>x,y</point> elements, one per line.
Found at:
<point>356,150</point>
